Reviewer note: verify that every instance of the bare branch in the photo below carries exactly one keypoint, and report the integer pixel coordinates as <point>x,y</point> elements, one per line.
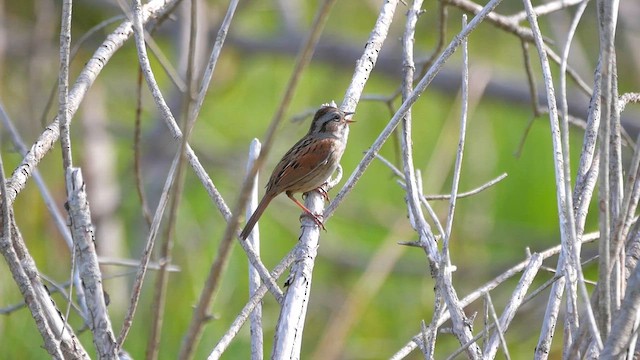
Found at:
<point>495,282</point>
<point>255,299</point>
<point>561,165</point>
<point>88,267</point>
<point>514,303</point>
<point>257,341</point>
<point>622,327</point>
<point>490,350</point>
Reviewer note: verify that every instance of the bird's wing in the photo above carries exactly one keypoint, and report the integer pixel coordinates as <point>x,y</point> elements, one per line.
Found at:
<point>300,164</point>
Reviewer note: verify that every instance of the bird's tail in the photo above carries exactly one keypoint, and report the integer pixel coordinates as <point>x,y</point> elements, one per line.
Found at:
<point>255,216</point>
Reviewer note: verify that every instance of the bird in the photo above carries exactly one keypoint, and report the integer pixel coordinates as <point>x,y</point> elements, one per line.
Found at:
<point>308,164</point>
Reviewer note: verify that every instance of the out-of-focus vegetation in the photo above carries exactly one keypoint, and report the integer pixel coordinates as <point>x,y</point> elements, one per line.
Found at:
<point>491,230</point>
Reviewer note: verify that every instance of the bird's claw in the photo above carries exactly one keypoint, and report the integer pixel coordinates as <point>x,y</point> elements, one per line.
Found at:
<point>315,218</point>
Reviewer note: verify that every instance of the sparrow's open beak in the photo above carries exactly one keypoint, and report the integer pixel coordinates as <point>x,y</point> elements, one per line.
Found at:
<point>349,121</point>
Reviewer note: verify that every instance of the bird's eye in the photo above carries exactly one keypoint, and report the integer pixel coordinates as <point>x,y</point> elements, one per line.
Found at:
<point>336,117</point>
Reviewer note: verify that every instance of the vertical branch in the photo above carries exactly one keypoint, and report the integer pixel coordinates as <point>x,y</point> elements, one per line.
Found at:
<point>63,115</point>
<point>608,192</point>
<point>146,254</point>
<point>586,176</point>
<point>444,281</point>
<point>82,229</point>
<point>137,153</point>
<point>416,217</point>
<point>459,154</point>
<point>254,276</point>
<point>289,330</point>
<point>166,247</point>
<point>408,67</point>
<point>88,267</point>
<point>572,320</point>
<point>63,84</point>
<point>561,167</point>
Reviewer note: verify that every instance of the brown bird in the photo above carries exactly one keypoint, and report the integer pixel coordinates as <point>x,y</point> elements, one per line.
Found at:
<point>308,164</point>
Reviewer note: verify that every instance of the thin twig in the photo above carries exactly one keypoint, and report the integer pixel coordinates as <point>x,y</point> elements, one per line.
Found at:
<point>469,193</point>
<point>464,93</point>
<point>166,246</point>
<point>462,327</point>
<point>146,254</point>
<point>545,9</point>
<point>571,323</point>
<point>137,152</point>
<point>461,195</point>
<point>516,300</point>
<point>499,332</point>
<point>59,219</point>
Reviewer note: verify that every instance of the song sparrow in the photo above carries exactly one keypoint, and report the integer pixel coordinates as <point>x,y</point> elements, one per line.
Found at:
<point>308,164</point>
